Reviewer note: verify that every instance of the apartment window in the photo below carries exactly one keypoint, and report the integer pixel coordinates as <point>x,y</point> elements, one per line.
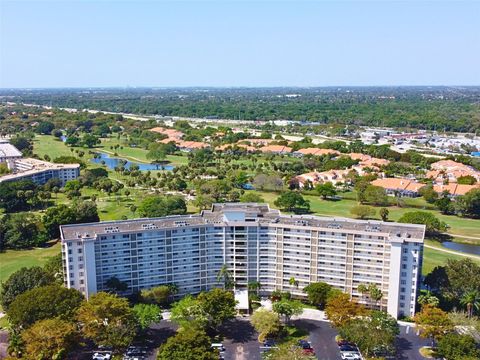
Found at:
<point>404,266</point>
<point>79,251</point>
<point>80,258</point>
<point>405,251</point>
<point>402,290</point>
<point>404,273</point>
<point>403,282</point>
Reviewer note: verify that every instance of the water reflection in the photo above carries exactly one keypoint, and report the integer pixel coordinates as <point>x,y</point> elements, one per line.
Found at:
<point>113,162</point>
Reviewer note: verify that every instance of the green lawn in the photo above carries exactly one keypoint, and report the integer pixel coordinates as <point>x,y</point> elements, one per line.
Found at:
<point>433,257</point>
<point>13,260</point>
<point>458,225</point>
<point>51,146</point>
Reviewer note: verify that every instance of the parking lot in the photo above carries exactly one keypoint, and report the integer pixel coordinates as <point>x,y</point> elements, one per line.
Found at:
<point>241,340</point>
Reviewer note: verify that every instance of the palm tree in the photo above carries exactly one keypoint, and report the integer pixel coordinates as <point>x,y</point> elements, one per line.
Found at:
<point>426,297</point>
<point>254,286</point>
<point>471,300</point>
<point>293,282</point>
<point>375,293</point>
<point>363,289</point>
<point>225,275</point>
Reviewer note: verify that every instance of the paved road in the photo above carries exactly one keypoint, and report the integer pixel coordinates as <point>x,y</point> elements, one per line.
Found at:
<point>322,337</point>
<point>241,340</point>
<point>408,344</point>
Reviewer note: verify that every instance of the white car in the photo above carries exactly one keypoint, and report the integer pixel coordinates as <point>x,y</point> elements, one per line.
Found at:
<point>350,356</point>
<point>102,355</point>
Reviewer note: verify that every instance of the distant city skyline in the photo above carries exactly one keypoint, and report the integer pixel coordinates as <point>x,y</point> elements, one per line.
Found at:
<point>54,44</point>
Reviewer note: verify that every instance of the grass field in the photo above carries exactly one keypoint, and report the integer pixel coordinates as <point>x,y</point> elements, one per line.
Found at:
<point>433,257</point>
<point>458,226</point>
<point>13,260</point>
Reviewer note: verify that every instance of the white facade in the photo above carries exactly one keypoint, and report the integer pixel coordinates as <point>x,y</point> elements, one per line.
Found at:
<point>257,244</point>
<point>41,171</point>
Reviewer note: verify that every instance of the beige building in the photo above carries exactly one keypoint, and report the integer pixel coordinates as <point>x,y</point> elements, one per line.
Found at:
<point>257,244</point>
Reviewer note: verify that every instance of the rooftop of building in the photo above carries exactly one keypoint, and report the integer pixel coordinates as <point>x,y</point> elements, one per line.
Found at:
<point>8,150</point>
<point>246,213</point>
<point>30,166</point>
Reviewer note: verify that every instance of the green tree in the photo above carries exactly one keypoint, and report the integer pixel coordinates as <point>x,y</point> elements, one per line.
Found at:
<point>287,308</point>
<point>362,211</point>
<point>191,343</point>
<point>427,298</point>
<point>44,302</point>
<point>45,127</point>
<point>292,201</point>
<point>375,195</point>
<point>21,281</point>
<point>21,231</point>
<point>54,268</point>
<point>147,314</point>
<point>462,276</point>
<point>471,300</point>
<point>458,347</point>
<point>326,190</point>
<point>433,323</point>
<point>157,206</point>
<point>188,312</point>
<point>429,194</point>
<point>432,224</point>
<point>466,180</point>
<point>50,339</point>
<point>376,330</point>
<point>225,277</point>
<point>159,295</point>
<point>250,197</point>
<point>114,284</point>
<point>469,204</point>
<point>107,320</point>
<point>267,323</point>
<point>90,140</point>
<point>318,293</point>
<point>288,352</point>
<point>384,214</point>
<point>157,152</point>
<point>218,305</point>
<point>340,309</point>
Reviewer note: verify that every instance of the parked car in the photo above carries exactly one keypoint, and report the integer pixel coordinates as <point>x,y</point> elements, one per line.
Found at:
<point>350,356</point>
<point>269,343</point>
<point>304,344</point>
<point>135,353</point>
<point>219,347</point>
<point>345,342</point>
<point>102,355</point>
<point>308,351</point>
<point>348,348</point>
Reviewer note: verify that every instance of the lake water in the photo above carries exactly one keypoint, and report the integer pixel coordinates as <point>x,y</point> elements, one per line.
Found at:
<point>466,248</point>
<point>112,162</point>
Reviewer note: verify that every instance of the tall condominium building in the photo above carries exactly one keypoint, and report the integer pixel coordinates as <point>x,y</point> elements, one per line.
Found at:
<point>257,244</point>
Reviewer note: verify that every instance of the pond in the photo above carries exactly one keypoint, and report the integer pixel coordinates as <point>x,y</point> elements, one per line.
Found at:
<point>465,248</point>
<point>112,162</point>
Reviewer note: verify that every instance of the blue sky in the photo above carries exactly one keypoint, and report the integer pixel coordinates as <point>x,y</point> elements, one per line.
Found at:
<point>238,43</point>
